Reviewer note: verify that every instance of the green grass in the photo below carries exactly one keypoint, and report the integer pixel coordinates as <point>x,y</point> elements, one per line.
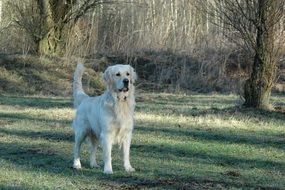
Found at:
<point>179,142</point>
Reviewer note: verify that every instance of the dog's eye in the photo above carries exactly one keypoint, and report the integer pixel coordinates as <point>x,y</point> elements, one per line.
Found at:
<point>128,74</point>
<point>118,74</point>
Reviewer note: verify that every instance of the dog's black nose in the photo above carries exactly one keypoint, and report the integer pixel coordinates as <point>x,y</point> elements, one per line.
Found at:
<point>126,81</point>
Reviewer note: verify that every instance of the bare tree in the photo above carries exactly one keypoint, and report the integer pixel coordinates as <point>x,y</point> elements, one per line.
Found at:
<point>47,21</point>
<point>129,27</point>
<point>255,24</point>
<point>29,17</point>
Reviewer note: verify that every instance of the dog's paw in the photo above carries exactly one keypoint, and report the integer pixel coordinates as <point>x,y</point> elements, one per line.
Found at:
<point>108,171</point>
<point>77,164</point>
<point>78,167</point>
<point>129,169</point>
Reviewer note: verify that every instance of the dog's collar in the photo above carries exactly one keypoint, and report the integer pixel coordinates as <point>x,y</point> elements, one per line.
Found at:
<point>118,96</point>
<point>123,99</point>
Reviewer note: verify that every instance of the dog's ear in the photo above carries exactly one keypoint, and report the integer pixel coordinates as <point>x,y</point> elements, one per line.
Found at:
<point>133,75</point>
<point>107,75</point>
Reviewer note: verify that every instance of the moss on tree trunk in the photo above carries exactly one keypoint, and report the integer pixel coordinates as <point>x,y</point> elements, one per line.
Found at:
<point>53,41</point>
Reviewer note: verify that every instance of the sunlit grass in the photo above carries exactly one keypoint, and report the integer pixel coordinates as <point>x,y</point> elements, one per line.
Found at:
<point>180,141</point>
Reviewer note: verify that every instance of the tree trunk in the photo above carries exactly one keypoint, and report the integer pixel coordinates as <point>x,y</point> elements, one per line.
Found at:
<point>56,11</point>
<point>258,87</point>
<point>52,42</point>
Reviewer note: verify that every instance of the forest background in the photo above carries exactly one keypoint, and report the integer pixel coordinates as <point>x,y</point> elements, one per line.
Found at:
<point>175,46</point>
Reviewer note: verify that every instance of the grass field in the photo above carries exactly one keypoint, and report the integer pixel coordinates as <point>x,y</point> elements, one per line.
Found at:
<point>179,142</point>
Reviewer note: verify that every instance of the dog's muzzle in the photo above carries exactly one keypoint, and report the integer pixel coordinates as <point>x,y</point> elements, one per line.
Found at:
<point>126,86</point>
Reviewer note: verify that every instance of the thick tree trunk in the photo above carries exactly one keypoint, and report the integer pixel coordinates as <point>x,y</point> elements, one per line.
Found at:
<point>55,21</point>
<point>52,42</point>
<point>258,87</point>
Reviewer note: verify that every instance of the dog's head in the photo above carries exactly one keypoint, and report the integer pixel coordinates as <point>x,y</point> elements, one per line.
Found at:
<point>120,79</point>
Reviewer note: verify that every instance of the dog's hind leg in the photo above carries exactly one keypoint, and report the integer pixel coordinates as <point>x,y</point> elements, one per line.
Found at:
<point>93,148</point>
<point>80,135</point>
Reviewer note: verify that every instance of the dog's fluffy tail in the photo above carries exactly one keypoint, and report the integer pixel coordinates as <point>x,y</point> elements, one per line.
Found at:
<point>78,92</point>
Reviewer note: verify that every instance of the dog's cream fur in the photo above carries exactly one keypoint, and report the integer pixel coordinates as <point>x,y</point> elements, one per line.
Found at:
<point>108,118</point>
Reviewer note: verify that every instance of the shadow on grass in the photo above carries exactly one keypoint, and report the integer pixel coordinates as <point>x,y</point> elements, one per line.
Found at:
<point>166,181</point>
<point>35,157</point>
<point>236,112</point>
<point>36,102</point>
<point>42,157</point>
<point>45,135</point>
<point>16,187</point>
<point>219,135</point>
<point>208,158</point>
<point>248,113</point>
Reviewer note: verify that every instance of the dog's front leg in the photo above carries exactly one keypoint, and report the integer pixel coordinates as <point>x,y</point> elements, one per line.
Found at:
<point>79,138</point>
<point>126,152</point>
<point>107,151</point>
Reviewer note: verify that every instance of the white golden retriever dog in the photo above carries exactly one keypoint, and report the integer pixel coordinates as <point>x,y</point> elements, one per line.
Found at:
<point>108,118</point>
